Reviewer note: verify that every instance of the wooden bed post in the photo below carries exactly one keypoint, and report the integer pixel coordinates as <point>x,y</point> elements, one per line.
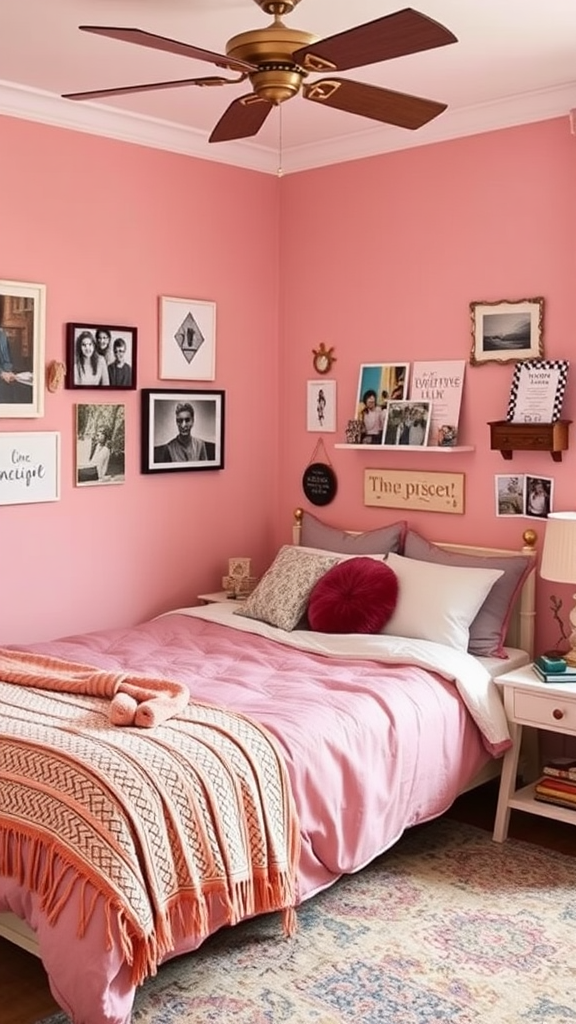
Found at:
<point>527,606</point>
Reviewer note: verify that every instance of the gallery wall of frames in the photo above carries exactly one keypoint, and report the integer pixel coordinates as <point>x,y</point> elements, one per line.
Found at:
<point>182,428</point>
<point>398,405</point>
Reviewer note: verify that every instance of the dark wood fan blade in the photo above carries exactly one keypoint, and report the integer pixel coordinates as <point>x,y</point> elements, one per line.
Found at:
<point>141,38</point>
<point>392,36</point>
<point>243,118</point>
<point>398,108</point>
<point>125,90</point>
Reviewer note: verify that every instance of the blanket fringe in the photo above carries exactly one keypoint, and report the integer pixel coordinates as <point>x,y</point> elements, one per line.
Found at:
<point>53,878</point>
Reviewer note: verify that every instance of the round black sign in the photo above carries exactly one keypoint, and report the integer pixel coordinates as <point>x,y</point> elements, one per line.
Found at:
<point>319,483</point>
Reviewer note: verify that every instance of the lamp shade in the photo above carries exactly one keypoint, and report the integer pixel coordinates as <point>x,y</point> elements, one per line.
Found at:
<point>559,551</point>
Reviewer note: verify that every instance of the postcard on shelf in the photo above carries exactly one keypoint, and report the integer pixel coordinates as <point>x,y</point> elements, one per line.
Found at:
<point>537,391</point>
<point>440,382</point>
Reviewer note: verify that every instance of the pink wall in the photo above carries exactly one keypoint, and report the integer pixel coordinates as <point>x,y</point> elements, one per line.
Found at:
<point>378,257</point>
<point>110,227</point>
<point>381,258</point>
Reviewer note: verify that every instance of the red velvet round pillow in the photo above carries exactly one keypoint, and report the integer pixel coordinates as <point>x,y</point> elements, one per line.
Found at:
<point>355,596</point>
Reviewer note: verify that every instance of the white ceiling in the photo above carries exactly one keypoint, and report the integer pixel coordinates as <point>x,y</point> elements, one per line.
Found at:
<point>514,62</point>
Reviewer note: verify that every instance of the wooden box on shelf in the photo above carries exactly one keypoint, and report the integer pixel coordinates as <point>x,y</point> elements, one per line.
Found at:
<point>507,437</point>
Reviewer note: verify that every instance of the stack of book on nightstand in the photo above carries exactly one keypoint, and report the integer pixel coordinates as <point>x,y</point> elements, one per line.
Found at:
<point>558,783</point>
<point>554,669</point>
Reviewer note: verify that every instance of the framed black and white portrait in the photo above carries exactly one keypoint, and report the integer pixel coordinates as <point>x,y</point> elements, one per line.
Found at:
<point>182,430</point>
<point>100,444</point>
<point>101,355</point>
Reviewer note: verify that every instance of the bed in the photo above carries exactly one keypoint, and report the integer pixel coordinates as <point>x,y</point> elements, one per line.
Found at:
<point>342,694</point>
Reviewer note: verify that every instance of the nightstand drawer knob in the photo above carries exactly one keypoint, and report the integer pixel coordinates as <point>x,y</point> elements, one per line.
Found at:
<point>557,714</point>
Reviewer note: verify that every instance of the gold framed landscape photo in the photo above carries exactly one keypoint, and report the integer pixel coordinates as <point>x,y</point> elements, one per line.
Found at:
<point>506,332</point>
<point>187,339</point>
<point>22,345</point>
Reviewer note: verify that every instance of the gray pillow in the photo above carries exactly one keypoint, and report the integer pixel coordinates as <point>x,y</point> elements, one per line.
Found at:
<point>316,534</point>
<point>488,629</point>
<point>281,596</point>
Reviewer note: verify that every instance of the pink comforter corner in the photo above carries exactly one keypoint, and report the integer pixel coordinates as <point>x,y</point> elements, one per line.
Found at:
<point>371,749</point>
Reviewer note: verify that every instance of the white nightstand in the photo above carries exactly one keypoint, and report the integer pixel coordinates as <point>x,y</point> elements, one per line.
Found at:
<point>217,597</point>
<point>542,706</point>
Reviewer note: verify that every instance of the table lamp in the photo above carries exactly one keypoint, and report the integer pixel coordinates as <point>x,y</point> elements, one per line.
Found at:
<point>559,562</point>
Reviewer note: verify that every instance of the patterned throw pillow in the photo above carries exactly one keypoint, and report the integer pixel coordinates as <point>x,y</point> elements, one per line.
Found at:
<point>356,596</point>
<point>281,596</point>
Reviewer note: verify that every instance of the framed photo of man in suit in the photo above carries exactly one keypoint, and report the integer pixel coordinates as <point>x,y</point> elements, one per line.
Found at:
<point>22,345</point>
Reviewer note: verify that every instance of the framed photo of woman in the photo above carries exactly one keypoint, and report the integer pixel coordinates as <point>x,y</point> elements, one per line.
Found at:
<point>100,444</point>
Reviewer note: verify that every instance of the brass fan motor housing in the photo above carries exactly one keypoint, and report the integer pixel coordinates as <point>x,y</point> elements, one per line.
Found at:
<point>277,8</point>
<point>277,77</point>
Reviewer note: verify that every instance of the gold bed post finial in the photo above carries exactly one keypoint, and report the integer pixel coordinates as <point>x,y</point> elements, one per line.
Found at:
<point>530,538</point>
<point>297,527</point>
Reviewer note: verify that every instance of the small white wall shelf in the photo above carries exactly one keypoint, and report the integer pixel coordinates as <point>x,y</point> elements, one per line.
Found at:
<point>423,449</point>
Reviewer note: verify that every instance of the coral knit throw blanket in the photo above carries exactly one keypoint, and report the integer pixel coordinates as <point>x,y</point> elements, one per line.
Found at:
<point>134,700</point>
<point>196,810</point>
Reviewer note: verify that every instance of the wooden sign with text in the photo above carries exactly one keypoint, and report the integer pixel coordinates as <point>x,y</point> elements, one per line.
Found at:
<point>406,489</point>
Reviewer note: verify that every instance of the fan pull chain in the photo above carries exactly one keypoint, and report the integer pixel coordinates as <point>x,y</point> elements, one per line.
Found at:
<point>280,170</point>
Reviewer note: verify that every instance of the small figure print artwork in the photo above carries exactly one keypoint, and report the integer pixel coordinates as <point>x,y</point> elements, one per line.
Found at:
<point>321,406</point>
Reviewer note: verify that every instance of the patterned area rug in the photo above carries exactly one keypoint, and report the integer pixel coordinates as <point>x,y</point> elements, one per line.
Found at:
<point>448,927</point>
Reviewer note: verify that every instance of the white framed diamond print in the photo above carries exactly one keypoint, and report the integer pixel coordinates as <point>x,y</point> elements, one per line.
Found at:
<point>187,339</point>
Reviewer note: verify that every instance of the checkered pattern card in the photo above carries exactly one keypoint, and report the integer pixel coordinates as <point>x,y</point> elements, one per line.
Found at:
<point>537,391</point>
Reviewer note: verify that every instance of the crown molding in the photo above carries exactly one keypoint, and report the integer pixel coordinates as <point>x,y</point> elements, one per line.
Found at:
<point>453,124</point>
<point>97,119</point>
<point>46,108</point>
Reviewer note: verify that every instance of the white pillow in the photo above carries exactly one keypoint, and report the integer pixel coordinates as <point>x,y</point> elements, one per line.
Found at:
<point>338,556</point>
<point>281,596</point>
<point>437,602</point>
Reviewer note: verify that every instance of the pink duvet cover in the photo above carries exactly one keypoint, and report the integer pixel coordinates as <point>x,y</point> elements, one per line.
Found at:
<point>371,750</point>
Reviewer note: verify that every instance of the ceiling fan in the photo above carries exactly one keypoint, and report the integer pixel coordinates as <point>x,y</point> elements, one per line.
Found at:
<point>277,60</point>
